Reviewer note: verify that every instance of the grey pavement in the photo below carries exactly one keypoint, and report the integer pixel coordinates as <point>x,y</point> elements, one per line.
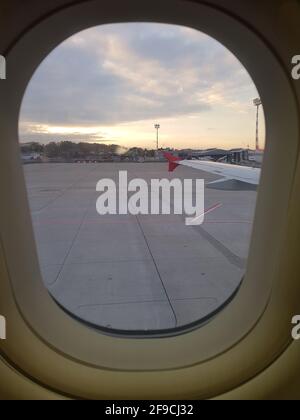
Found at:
<point>135,272</point>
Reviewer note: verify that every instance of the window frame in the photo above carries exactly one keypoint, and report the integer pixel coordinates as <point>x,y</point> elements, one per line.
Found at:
<point>166,367</point>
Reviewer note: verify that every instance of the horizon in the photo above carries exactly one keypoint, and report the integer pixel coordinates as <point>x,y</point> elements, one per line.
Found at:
<point>128,148</point>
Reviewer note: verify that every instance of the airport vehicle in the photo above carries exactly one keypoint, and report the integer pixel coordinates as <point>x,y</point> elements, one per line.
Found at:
<point>248,351</point>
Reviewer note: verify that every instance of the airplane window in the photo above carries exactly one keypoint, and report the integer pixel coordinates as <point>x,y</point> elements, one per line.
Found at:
<point>117,125</point>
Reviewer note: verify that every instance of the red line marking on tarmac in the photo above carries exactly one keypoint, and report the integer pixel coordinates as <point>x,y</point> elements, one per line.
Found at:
<point>215,207</point>
<point>209,210</point>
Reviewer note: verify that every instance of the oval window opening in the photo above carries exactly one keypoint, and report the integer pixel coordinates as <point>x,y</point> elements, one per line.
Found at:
<point>160,127</point>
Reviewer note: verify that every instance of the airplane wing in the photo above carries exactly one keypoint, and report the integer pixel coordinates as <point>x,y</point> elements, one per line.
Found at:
<point>227,172</point>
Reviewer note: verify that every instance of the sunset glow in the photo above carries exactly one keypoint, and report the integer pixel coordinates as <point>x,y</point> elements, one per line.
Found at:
<point>129,77</point>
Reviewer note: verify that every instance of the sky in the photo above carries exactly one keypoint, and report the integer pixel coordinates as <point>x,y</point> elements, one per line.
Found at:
<point>110,84</point>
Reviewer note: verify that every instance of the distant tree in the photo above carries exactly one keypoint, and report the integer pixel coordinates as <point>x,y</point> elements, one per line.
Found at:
<point>52,150</point>
<point>66,149</point>
<point>84,148</point>
<point>37,147</point>
<point>66,146</point>
<point>150,153</point>
<point>70,150</point>
<point>32,148</point>
<point>136,151</point>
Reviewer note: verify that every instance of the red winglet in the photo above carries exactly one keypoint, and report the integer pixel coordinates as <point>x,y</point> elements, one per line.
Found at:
<point>172,161</point>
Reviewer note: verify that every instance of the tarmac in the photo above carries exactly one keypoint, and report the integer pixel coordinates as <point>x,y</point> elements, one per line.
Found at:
<point>136,273</point>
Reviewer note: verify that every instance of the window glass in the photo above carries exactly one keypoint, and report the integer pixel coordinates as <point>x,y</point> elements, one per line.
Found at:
<point>105,117</point>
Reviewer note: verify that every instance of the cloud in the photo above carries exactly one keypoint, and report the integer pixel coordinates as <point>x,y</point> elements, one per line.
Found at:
<point>123,73</point>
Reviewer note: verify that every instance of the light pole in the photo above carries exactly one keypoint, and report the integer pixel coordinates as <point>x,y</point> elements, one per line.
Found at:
<point>157,127</point>
<point>257,102</point>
